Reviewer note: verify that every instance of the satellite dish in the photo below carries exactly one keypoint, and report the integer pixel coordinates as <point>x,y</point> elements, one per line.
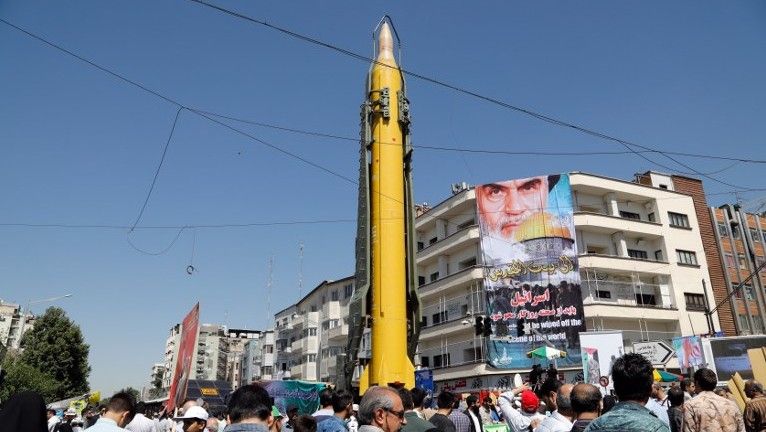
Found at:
<point>517,381</point>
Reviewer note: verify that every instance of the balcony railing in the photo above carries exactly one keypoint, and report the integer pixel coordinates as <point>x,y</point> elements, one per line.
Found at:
<point>454,354</point>
<point>624,294</point>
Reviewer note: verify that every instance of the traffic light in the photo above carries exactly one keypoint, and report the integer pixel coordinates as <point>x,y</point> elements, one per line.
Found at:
<point>478,326</point>
<point>487,327</point>
<point>520,327</point>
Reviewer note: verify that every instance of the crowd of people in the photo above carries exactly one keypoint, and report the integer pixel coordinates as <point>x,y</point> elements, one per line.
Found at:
<point>638,404</point>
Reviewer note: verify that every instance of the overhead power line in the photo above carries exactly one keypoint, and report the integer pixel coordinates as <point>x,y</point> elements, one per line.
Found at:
<point>334,136</point>
<point>475,150</point>
<point>543,117</point>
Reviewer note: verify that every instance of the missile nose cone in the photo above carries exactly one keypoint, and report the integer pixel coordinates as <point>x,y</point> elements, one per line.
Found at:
<point>385,43</point>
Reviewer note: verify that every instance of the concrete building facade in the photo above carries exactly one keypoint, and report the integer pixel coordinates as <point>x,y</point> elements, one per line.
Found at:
<point>14,322</point>
<point>311,334</point>
<point>642,266</point>
<point>740,237</point>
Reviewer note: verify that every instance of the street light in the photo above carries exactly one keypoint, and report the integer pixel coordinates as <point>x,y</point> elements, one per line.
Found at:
<point>46,300</point>
<point>29,311</point>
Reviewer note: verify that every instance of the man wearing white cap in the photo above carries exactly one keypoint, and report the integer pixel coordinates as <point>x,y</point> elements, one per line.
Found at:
<point>194,419</point>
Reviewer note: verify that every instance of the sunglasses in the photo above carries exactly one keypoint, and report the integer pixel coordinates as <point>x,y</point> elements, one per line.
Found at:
<point>399,414</point>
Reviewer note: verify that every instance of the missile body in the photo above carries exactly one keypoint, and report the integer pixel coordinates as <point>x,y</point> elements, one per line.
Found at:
<point>385,298</point>
<point>389,363</point>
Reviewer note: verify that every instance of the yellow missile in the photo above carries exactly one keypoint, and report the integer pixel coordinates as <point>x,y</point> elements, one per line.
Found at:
<point>389,362</point>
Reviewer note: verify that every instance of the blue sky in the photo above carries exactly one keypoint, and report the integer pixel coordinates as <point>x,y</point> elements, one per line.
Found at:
<point>80,147</point>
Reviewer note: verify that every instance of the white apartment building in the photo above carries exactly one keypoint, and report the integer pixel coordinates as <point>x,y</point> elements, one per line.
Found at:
<point>13,324</point>
<point>171,354</point>
<point>216,355</point>
<point>312,333</point>
<point>284,336</point>
<point>257,358</point>
<point>236,339</point>
<point>641,261</point>
<point>267,355</point>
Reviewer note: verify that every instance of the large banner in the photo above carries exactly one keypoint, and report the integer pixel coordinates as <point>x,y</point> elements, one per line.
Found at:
<point>300,394</point>
<point>189,331</point>
<point>530,257</point>
<point>689,351</point>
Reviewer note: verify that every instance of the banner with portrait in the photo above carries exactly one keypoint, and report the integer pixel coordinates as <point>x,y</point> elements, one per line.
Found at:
<point>531,271</point>
<point>689,351</point>
<point>183,369</point>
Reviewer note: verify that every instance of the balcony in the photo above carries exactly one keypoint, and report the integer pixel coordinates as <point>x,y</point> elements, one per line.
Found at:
<point>451,327</point>
<point>445,246</point>
<point>461,277</point>
<point>630,294</point>
<point>297,346</point>
<point>625,264</point>
<point>338,333</point>
<point>454,354</point>
<point>607,224</point>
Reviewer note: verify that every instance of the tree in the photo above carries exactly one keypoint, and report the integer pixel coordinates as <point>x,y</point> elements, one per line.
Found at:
<point>55,346</point>
<point>21,376</point>
<point>157,379</point>
<point>133,392</point>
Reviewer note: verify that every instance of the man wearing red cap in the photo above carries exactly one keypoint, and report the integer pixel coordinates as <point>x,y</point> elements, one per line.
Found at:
<point>528,417</point>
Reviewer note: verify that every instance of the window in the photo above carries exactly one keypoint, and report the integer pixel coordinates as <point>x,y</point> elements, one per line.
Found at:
<point>735,232</point>
<point>324,299</point>
<point>686,257</point>
<point>603,294</point>
<point>729,260</point>
<point>311,358</point>
<point>421,280</point>
<point>432,241</point>
<point>663,186</point>
<point>658,255</point>
<point>348,291</point>
<point>424,321</point>
<point>470,262</point>
<point>741,260</point>
<point>421,245</point>
<point>424,361</point>
<point>637,254</point>
<point>441,360</point>
<point>464,310</point>
<point>466,224</point>
<point>334,296</point>
<point>651,217</point>
<point>754,235</point>
<point>749,293</point>
<point>434,276</point>
<point>267,370</point>
<point>695,302</point>
<point>268,349</point>
<point>722,231</point>
<point>629,215</point>
<point>312,331</point>
<point>439,317</point>
<point>645,299</point>
<point>678,220</point>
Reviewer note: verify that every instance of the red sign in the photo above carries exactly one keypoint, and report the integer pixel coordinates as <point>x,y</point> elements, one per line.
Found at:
<point>189,330</point>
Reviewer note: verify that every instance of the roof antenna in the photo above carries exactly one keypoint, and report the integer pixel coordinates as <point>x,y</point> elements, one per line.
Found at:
<point>300,270</point>
<point>268,291</point>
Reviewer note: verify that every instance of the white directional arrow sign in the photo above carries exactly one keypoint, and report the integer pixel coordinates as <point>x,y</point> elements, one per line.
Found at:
<point>657,352</point>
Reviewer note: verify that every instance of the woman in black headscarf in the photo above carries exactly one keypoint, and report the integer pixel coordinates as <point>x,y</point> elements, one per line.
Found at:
<point>24,412</point>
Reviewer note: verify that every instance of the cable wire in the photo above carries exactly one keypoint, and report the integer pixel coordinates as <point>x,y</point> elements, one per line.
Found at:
<point>157,171</point>
<point>543,117</point>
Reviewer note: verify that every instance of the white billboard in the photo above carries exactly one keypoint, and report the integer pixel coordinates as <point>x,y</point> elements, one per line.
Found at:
<point>599,351</point>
